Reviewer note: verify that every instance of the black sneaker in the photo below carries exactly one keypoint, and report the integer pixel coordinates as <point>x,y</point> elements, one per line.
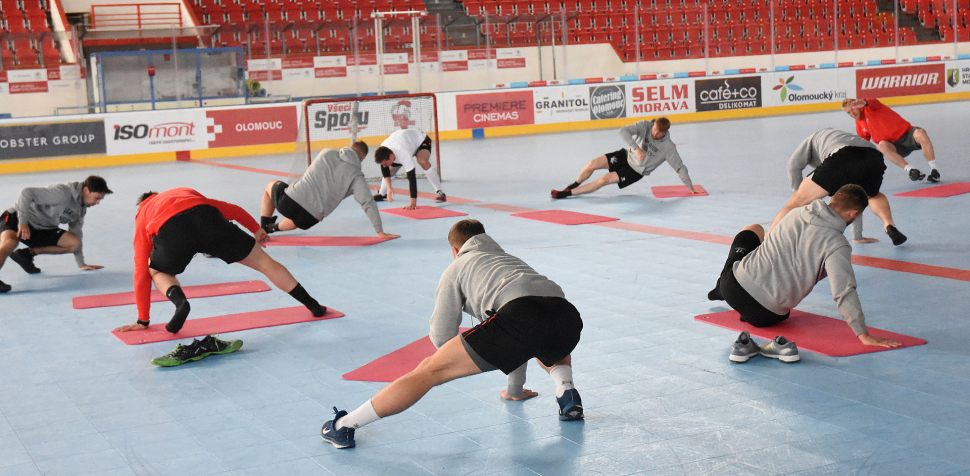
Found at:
<point>934,176</point>
<point>557,194</point>
<point>268,224</point>
<point>379,198</point>
<point>4,287</point>
<point>894,234</point>
<point>916,175</point>
<point>25,259</point>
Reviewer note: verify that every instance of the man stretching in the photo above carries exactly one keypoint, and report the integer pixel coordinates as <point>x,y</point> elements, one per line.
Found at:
<point>650,146</point>
<point>406,149</point>
<point>35,219</point>
<point>840,158</point>
<point>895,137</point>
<point>764,277</point>
<point>172,226</point>
<point>523,314</point>
<point>333,176</point>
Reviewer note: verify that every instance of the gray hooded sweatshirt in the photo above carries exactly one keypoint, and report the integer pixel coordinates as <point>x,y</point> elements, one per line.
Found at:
<point>637,135</point>
<point>818,147</point>
<point>333,176</point>
<point>482,278</point>
<point>45,208</point>
<point>807,243</point>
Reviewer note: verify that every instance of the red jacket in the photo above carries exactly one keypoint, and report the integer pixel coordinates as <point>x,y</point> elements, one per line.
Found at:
<point>152,214</point>
<point>880,123</point>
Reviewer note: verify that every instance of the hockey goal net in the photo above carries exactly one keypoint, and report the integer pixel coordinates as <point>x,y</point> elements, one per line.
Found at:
<point>336,123</point>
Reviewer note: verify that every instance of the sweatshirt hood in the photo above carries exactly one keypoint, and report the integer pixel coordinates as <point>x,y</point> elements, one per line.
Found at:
<point>818,213</point>
<point>349,155</point>
<point>76,190</point>
<point>480,242</point>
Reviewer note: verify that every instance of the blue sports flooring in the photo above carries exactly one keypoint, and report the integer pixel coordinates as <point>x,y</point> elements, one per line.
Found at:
<point>661,397</point>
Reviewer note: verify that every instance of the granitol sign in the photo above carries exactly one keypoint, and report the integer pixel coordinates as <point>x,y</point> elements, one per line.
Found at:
<point>28,141</point>
<point>729,93</point>
<point>607,102</point>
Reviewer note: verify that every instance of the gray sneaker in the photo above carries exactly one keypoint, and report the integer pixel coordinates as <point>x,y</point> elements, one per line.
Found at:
<point>744,348</point>
<point>781,349</point>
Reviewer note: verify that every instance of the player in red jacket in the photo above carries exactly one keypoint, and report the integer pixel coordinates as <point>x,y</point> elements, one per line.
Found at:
<point>172,226</point>
<point>895,137</point>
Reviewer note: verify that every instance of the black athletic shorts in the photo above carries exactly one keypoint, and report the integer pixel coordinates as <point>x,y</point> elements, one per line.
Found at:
<point>290,209</point>
<point>546,328</point>
<point>863,166</point>
<point>618,163</point>
<point>736,296</point>
<point>39,237</point>
<point>425,145</point>
<point>906,144</point>
<point>200,229</point>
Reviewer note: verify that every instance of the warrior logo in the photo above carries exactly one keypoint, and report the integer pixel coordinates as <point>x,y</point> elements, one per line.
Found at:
<point>401,113</point>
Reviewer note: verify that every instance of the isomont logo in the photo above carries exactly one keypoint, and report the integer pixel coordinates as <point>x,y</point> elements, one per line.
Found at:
<point>168,130</point>
<point>607,102</point>
<point>785,85</point>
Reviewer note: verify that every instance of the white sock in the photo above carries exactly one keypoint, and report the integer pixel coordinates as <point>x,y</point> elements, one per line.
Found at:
<point>907,167</point>
<point>383,190</point>
<point>361,416</point>
<point>932,164</point>
<point>432,175</point>
<point>563,376</point>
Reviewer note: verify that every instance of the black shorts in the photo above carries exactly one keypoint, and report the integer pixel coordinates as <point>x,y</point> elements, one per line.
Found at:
<point>736,296</point>
<point>546,328</point>
<point>290,209</point>
<point>906,144</point>
<point>200,229</point>
<point>39,237</point>
<point>618,163</point>
<point>425,145</point>
<point>863,166</point>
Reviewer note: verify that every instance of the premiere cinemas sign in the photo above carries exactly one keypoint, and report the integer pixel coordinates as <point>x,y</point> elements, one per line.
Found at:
<point>729,93</point>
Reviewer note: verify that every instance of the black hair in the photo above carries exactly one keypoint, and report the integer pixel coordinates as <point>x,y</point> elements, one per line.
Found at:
<point>97,184</point>
<point>144,196</point>
<point>381,154</point>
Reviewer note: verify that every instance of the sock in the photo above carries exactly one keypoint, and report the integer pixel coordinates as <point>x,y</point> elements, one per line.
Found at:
<point>268,224</point>
<point>907,168</point>
<point>363,415</point>
<point>563,376</point>
<point>932,164</point>
<point>432,175</point>
<point>516,381</point>
<point>182,308</point>
<point>383,190</point>
<point>572,185</point>
<point>31,252</point>
<point>263,221</point>
<point>301,295</point>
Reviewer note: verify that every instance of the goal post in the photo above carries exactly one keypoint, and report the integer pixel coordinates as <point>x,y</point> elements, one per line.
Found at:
<point>337,122</point>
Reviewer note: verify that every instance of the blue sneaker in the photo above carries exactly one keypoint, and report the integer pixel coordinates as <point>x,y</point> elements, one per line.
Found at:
<point>570,406</point>
<point>342,438</point>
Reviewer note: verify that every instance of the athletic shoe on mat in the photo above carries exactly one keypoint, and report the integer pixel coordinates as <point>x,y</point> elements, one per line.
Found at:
<point>561,194</point>
<point>781,349</point>
<point>25,259</point>
<point>570,406</point>
<point>4,287</point>
<point>342,438</point>
<point>441,197</point>
<point>934,176</point>
<point>197,350</point>
<point>894,234</point>
<point>744,348</point>
<point>379,198</point>
<point>916,175</point>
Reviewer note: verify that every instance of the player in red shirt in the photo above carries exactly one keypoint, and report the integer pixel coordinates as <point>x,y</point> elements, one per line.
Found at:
<point>172,226</point>
<point>895,137</point>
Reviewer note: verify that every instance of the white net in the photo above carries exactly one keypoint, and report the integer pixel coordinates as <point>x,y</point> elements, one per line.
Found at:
<point>329,124</point>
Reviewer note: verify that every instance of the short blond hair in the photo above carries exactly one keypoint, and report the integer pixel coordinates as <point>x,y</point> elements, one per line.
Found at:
<point>847,102</point>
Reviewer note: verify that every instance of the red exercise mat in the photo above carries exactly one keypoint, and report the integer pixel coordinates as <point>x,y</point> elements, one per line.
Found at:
<point>938,191</point>
<point>221,324</point>
<point>677,191</point>
<point>205,290</point>
<point>325,240</point>
<point>424,213</point>
<point>396,364</point>
<point>506,208</point>
<point>563,217</point>
<point>819,334</point>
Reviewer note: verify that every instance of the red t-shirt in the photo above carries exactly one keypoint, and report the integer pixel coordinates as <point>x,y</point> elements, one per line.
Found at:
<point>152,214</point>
<point>879,123</point>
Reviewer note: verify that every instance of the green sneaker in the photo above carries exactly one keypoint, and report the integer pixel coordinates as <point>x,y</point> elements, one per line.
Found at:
<point>197,350</point>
